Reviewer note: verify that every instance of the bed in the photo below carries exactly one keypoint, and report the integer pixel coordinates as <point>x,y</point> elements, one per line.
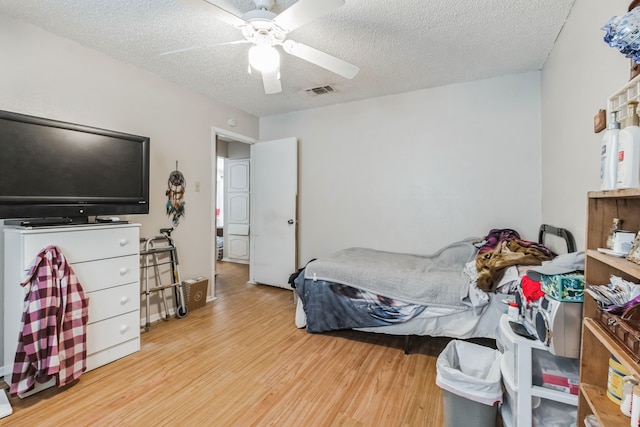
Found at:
<point>458,291</point>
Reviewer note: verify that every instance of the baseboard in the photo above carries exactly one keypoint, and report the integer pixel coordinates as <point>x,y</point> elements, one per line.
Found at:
<point>158,316</point>
<point>237,261</point>
<point>155,317</point>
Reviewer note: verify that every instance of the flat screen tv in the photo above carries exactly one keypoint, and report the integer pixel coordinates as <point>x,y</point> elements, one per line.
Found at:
<point>58,171</point>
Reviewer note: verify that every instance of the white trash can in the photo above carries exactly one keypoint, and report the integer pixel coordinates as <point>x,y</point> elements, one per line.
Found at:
<point>471,382</point>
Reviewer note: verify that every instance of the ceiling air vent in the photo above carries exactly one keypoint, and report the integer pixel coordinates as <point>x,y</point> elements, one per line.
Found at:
<point>320,90</point>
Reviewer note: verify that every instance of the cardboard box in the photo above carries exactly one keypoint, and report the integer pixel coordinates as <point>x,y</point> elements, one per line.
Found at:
<point>195,292</point>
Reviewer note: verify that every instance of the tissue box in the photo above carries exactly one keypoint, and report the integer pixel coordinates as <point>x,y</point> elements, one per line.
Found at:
<point>564,287</point>
<point>195,292</point>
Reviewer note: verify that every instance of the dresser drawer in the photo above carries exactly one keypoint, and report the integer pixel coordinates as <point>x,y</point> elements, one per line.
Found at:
<point>82,244</point>
<point>108,355</point>
<point>113,302</point>
<point>112,331</point>
<point>106,273</point>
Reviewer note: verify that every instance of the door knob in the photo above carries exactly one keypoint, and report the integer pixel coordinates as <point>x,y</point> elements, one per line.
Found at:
<point>290,222</point>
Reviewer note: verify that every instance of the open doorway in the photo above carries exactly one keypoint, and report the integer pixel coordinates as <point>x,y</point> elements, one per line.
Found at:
<point>228,274</point>
<point>232,219</point>
<point>271,223</point>
<point>232,200</point>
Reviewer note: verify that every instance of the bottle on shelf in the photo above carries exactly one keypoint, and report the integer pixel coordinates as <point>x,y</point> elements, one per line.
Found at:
<point>628,171</point>
<point>609,154</point>
<point>628,383</point>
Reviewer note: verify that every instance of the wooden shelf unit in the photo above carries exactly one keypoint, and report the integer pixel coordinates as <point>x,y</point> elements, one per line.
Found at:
<point>597,343</point>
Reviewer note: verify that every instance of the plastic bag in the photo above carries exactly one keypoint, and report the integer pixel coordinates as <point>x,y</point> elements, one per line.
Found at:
<point>471,371</point>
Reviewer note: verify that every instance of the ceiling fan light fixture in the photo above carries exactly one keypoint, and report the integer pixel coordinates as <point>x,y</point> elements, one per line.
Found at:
<point>264,30</point>
<point>264,58</point>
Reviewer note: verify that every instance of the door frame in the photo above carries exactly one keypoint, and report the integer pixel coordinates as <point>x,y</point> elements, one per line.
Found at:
<point>215,133</point>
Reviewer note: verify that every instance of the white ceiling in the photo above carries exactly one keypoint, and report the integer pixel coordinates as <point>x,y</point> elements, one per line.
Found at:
<point>400,46</point>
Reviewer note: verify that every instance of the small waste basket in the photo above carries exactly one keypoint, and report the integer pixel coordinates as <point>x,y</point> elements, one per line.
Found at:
<point>471,382</point>
<point>196,292</point>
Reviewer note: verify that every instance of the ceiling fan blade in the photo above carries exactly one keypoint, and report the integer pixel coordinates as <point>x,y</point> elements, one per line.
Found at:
<point>324,60</point>
<point>271,82</point>
<point>304,11</point>
<point>205,46</point>
<point>210,7</point>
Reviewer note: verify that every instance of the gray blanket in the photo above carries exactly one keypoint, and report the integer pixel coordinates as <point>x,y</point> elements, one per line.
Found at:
<point>431,280</point>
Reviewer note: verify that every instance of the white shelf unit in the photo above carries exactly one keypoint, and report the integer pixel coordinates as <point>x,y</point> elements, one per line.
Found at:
<point>517,369</point>
<point>617,102</point>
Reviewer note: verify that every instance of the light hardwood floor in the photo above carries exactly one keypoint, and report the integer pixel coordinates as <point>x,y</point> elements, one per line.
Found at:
<point>240,361</point>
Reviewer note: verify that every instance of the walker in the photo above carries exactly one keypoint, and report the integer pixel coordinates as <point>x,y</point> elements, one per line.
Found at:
<point>152,252</point>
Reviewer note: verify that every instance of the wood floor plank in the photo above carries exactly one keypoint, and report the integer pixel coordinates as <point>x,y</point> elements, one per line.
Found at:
<point>240,361</point>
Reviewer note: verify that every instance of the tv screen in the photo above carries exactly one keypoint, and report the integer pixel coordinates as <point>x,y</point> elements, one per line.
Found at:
<point>51,169</point>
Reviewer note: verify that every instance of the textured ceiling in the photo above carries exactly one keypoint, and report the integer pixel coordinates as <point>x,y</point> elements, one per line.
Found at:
<point>400,45</point>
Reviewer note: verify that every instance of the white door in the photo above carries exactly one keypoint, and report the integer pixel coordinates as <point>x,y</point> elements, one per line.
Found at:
<point>237,214</point>
<point>274,192</point>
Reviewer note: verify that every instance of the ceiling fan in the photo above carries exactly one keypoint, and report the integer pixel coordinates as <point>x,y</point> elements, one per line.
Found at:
<point>266,30</point>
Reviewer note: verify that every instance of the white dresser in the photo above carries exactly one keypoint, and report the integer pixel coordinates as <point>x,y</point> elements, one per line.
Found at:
<point>106,260</point>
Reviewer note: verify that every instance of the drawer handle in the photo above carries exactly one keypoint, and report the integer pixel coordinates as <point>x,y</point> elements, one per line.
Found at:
<point>123,271</point>
<point>124,328</point>
<point>124,300</point>
<point>123,242</point>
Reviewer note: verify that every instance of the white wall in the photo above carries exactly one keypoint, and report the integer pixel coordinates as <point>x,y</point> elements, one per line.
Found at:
<point>44,75</point>
<point>416,171</point>
<point>578,77</point>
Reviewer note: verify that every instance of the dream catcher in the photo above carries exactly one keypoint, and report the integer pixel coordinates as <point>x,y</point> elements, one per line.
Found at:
<point>175,195</point>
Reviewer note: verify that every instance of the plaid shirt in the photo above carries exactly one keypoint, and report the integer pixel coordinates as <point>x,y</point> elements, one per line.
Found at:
<point>54,324</point>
